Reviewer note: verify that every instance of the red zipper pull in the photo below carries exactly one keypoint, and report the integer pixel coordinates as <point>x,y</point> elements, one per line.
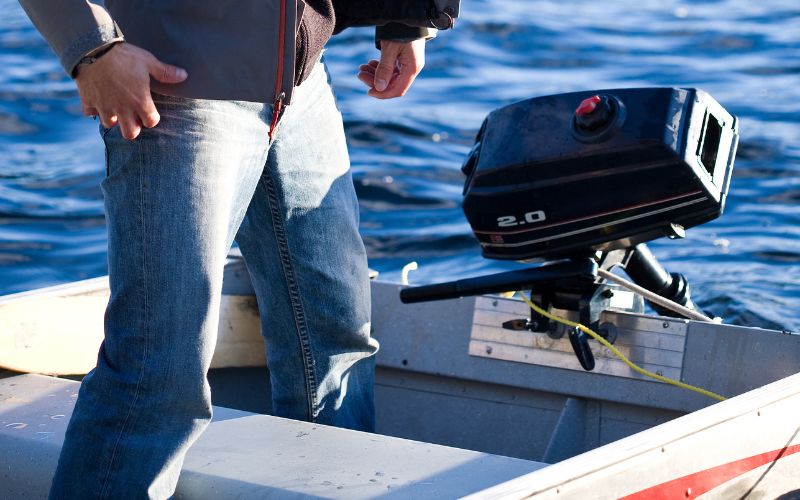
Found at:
<point>276,113</point>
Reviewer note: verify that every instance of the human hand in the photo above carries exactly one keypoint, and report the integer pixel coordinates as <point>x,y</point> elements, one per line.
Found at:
<point>116,87</point>
<point>400,64</point>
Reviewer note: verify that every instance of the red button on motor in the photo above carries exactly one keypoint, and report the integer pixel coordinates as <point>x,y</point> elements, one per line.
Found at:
<point>587,105</point>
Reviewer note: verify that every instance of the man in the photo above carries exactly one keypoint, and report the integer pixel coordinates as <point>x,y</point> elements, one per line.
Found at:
<point>219,123</point>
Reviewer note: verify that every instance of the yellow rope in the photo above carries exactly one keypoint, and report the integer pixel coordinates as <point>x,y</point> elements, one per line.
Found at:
<point>616,352</point>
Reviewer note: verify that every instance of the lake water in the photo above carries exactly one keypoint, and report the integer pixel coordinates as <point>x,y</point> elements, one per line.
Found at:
<point>406,153</point>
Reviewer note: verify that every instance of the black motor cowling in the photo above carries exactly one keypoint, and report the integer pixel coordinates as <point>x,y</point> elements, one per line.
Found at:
<point>599,170</point>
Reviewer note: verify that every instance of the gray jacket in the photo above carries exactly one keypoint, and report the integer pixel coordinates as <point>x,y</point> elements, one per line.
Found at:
<point>232,49</point>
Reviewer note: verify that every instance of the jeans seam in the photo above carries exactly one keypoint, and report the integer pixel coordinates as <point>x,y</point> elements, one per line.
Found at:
<point>145,329</point>
<point>295,299</point>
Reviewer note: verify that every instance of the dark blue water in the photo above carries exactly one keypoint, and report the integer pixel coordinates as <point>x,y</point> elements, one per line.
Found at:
<point>406,153</point>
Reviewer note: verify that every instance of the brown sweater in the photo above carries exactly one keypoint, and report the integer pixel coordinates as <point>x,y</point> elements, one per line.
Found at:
<point>316,27</point>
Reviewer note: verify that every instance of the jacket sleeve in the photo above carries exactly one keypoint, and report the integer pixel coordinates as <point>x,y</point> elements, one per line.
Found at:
<point>415,13</point>
<point>72,28</point>
<point>399,31</point>
<point>402,33</point>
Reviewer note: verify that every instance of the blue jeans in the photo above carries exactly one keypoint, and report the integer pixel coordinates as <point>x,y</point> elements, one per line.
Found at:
<point>176,197</point>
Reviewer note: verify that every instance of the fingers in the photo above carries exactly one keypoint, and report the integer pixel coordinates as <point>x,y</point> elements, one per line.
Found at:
<point>387,65</point>
<point>108,120</point>
<point>399,66</point>
<point>129,125</point>
<point>398,85</point>
<point>130,119</point>
<point>147,113</point>
<point>117,88</point>
<point>166,73</point>
<point>143,113</point>
<point>369,68</point>
<point>366,73</point>
<point>367,79</point>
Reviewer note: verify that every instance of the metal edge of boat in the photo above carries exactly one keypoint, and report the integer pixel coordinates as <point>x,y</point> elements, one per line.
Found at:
<point>446,377</point>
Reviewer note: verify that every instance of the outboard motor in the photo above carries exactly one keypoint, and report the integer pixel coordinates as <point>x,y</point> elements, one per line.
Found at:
<point>597,170</point>
<point>581,181</point>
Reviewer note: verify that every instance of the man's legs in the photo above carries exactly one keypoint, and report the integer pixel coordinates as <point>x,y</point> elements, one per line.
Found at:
<point>308,265</point>
<point>174,198</point>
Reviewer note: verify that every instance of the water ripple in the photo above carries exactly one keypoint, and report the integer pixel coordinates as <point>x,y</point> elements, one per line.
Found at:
<point>406,153</point>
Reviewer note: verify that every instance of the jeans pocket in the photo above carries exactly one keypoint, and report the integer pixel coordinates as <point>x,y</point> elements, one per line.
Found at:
<point>103,133</point>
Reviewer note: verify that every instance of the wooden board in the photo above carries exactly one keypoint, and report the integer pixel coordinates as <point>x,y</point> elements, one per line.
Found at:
<point>58,330</point>
<point>656,344</point>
